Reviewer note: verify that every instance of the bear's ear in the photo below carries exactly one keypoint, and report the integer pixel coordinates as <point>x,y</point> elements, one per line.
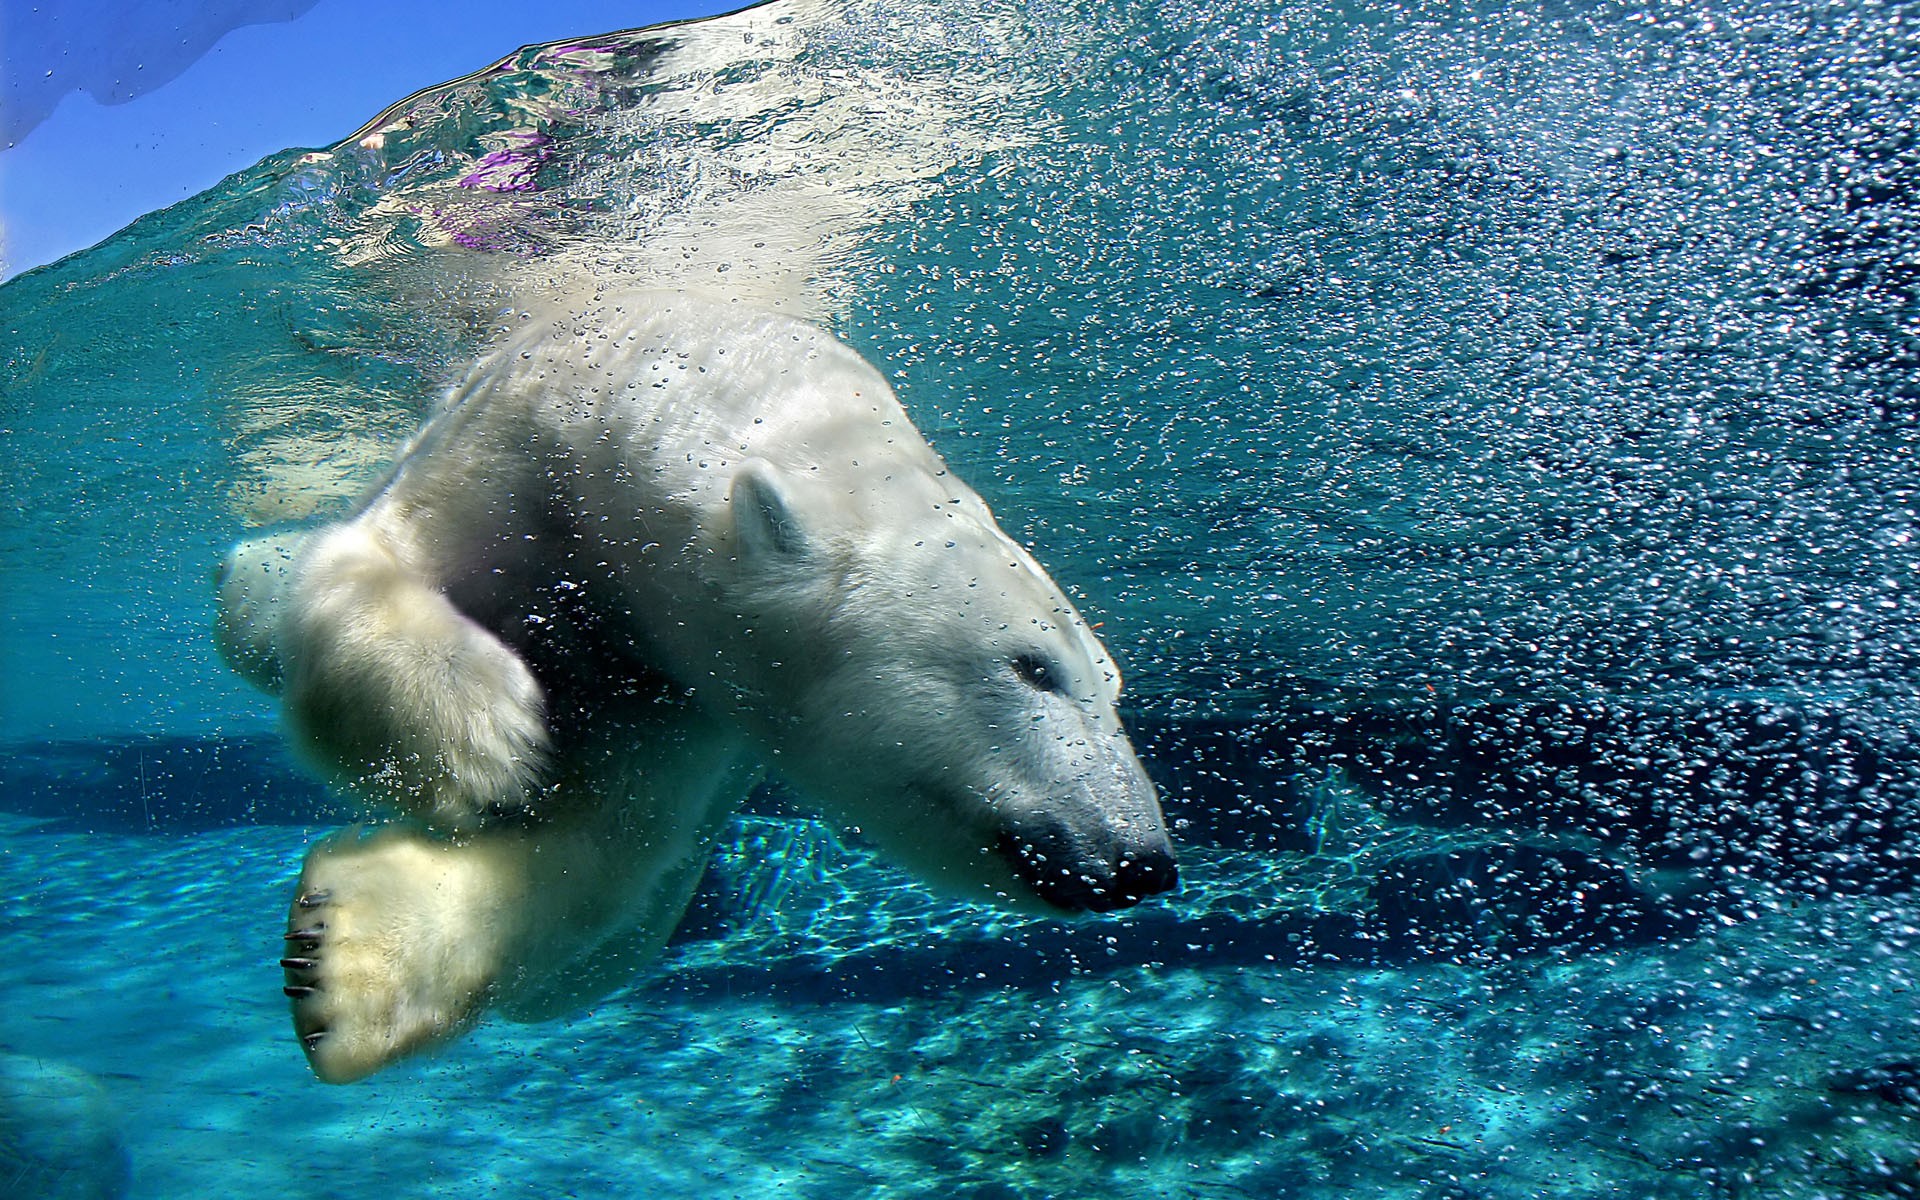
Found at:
<point>763,525</point>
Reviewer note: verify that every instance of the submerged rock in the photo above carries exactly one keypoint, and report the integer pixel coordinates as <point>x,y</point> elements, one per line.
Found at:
<point>59,1136</point>
<point>1894,1082</point>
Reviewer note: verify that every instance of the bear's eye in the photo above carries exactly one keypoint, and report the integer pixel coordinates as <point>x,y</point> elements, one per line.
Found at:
<point>1040,673</point>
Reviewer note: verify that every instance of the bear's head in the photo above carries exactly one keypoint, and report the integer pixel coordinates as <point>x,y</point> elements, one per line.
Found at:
<point>921,677</point>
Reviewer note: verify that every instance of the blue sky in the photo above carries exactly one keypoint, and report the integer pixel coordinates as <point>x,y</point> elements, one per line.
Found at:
<point>194,95</point>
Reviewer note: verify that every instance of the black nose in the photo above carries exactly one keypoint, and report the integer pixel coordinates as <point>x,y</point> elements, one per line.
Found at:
<point>1074,878</point>
<point>1147,873</point>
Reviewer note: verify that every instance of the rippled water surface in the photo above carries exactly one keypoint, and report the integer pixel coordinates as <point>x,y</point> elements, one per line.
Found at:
<point>1487,433</point>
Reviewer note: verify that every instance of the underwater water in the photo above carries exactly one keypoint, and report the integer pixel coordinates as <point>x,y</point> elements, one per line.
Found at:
<point>1485,435</point>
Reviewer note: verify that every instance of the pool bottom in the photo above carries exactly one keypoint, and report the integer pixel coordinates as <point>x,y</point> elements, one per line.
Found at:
<point>1737,1062</point>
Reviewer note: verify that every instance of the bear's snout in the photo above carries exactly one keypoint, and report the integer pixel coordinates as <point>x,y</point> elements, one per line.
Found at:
<point>1067,873</point>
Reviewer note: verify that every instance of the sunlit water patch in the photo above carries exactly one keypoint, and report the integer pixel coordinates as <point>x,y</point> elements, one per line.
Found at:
<point>1487,436</point>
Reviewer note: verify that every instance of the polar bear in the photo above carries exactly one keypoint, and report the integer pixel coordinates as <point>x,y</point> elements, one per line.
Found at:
<point>650,547</point>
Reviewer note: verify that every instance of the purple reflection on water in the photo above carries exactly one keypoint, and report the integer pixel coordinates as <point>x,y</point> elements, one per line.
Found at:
<point>513,169</point>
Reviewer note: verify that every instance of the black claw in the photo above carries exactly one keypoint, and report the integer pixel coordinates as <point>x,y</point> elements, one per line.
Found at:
<point>298,993</point>
<point>309,934</point>
<point>314,899</point>
<point>297,964</point>
<point>312,1040</point>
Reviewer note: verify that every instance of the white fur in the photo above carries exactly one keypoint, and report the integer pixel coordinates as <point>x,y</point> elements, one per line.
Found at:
<point>641,547</point>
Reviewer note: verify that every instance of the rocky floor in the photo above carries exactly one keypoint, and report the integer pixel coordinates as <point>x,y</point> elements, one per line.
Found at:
<point>826,1030</point>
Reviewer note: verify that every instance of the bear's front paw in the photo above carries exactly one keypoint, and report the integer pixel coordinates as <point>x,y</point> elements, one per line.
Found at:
<point>390,948</point>
<point>488,740</point>
<point>404,700</point>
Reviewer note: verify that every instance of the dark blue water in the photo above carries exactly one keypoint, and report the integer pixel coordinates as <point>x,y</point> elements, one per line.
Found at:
<point>1486,434</point>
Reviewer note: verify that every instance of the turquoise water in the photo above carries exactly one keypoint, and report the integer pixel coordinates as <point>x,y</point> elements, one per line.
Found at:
<point>1487,437</point>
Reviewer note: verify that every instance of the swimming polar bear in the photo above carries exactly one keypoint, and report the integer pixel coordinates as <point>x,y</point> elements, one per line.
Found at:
<point>645,551</point>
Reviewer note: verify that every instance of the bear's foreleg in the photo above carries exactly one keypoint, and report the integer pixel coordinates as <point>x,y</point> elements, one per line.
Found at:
<point>399,696</point>
<point>399,940</point>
